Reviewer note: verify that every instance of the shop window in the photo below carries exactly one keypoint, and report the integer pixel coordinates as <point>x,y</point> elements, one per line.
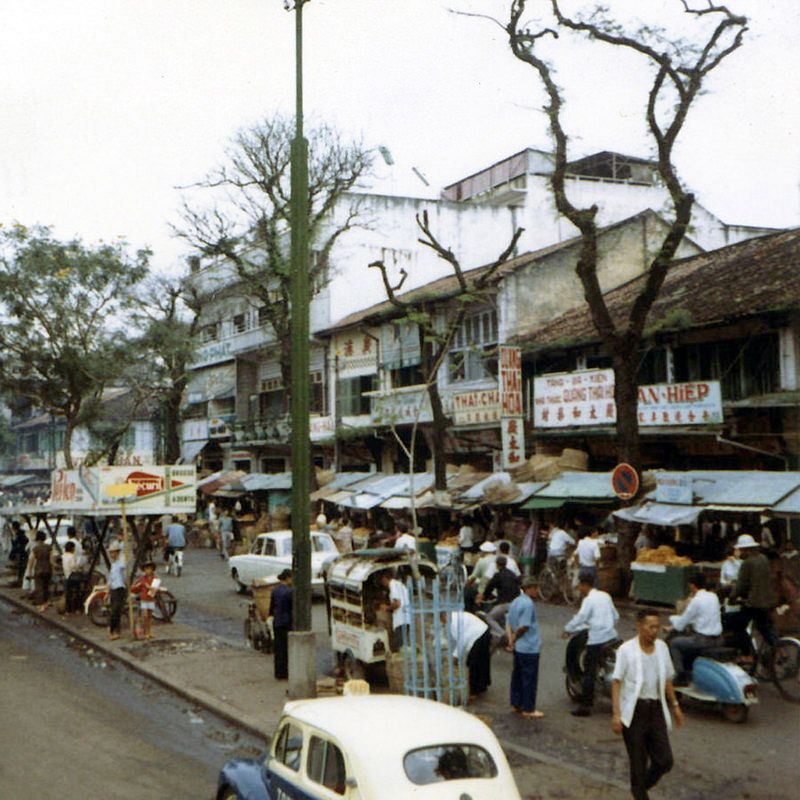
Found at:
<point>351,395</point>
<point>407,376</point>
<point>316,393</point>
<point>272,399</point>
<point>473,354</point>
<point>652,366</point>
<point>744,367</point>
<point>240,323</point>
<point>210,333</point>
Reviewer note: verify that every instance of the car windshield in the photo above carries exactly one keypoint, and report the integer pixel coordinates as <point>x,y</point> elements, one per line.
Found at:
<point>323,544</point>
<point>448,762</point>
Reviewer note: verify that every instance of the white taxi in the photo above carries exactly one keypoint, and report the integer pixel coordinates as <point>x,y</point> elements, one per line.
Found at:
<point>373,747</point>
<point>271,553</point>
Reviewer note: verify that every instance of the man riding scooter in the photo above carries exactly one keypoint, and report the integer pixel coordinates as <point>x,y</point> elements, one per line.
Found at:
<point>598,615</point>
<point>700,626</point>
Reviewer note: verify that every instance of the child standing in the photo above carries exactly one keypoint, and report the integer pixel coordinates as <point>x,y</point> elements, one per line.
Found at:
<point>146,587</point>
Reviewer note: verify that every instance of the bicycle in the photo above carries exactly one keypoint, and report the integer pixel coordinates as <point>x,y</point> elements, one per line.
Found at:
<point>97,605</point>
<point>780,664</point>
<point>558,578</point>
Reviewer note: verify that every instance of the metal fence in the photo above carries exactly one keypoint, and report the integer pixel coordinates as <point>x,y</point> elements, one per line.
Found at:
<point>430,668</point>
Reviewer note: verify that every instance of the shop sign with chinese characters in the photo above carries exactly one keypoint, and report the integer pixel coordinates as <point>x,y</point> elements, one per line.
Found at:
<point>695,403</point>
<point>513,436</point>
<point>355,353</point>
<point>587,398</point>
<point>477,408</point>
<point>511,381</point>
<point>574,398</point>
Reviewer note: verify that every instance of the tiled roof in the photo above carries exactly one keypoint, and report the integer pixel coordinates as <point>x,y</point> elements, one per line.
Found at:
<point>757,276</point>
<point>447,287</point>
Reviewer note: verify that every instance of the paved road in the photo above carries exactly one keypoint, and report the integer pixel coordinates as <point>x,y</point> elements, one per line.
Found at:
<point>73,725</point>
<point>714,758</point>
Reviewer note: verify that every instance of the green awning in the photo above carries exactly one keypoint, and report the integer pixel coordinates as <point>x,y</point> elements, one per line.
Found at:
<point>543,502</point>
<point>560,502</point>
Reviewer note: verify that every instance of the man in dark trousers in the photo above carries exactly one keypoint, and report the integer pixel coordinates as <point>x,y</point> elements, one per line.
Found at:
<point>753,588</point>
<point>280,609</point>
<point>644,704</point>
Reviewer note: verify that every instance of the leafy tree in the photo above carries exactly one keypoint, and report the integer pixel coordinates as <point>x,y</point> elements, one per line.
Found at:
<point>249,224</point>
<point>61,304</point>
<point>680,69</point>
<point>167,315</point>
<point>437,325</point>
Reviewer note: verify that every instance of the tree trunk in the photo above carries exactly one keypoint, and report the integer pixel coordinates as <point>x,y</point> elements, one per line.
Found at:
<point>626,395</point>
<point>68,444</point>
<point>438,428</point>
<point>172,438</point>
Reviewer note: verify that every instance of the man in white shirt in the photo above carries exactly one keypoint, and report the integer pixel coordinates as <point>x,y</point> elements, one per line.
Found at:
<point>701,624</point>
<point>471,641</point>
<point>481,572</point>
<point>466,538</point>
<point>642,696</point>
<point>558,543</point>
<point>403,539</point>
<point>504,549</point>
<point>398,605</point>
<point>588,553</point>
<point>597,615</point>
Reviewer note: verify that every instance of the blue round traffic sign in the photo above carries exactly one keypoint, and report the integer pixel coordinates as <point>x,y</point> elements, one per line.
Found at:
<point>625,481</point>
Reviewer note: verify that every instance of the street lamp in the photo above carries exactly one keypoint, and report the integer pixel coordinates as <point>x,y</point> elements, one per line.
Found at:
<point>302,661</point>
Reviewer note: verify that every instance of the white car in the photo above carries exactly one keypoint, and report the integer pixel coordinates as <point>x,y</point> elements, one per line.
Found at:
<point>271,553</point>
<point>368,747</point>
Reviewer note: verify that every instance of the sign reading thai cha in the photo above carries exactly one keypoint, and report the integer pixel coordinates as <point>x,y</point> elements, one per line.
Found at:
<point>477,408</point>
<point>587,398</point>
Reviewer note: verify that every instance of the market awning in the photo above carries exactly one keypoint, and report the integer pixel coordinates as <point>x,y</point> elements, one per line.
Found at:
<point>542,502</point>
<point>361,501</point>
<point>660,514</point>
<point>190,451</point>
<point>265,482</point>
<point>789,506</point>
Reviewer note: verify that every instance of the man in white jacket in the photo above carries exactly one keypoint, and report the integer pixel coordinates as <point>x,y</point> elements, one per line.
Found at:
<point>598,616</point>
<point>644,704</point>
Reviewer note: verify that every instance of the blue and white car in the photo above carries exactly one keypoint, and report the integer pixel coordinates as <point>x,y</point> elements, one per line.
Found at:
<point>373,747</point>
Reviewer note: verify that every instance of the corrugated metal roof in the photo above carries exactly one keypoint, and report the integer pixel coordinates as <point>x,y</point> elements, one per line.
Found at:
<point>264,482</point>
<point>739,487</point>
<point>789,505</point>
<point>579,484</point>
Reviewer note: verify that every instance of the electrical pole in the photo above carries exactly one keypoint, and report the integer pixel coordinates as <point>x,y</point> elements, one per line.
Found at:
<point>302,660</point>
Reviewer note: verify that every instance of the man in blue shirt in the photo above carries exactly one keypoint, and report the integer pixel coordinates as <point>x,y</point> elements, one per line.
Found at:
<point>280,609</point>
<point>524,639</point>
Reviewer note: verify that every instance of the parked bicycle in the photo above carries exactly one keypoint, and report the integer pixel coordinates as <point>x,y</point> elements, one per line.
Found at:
<point>559,580</point>
<point>97,605</point>
<point>780,664</point>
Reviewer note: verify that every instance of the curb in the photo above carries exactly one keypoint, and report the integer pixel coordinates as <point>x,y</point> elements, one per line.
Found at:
<point>198,698</point>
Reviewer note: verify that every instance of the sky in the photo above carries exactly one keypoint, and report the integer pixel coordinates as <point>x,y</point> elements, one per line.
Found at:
<point>109,107</point>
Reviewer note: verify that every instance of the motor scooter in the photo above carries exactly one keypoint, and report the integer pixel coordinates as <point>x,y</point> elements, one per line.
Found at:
<point>717,680</point>
<point>575,661</point>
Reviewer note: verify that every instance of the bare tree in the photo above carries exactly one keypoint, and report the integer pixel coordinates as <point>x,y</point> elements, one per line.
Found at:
<point>680,69</point>
<point>249,222</point>
<point>436,326</point>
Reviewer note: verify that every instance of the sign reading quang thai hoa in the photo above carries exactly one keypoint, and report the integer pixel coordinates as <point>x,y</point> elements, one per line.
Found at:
<point>587,398</point>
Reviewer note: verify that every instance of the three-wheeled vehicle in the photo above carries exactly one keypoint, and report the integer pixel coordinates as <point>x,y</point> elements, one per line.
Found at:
<point>355,596</point>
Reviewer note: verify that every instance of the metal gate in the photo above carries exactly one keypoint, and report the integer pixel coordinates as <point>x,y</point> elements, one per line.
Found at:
<point>430,669</point>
